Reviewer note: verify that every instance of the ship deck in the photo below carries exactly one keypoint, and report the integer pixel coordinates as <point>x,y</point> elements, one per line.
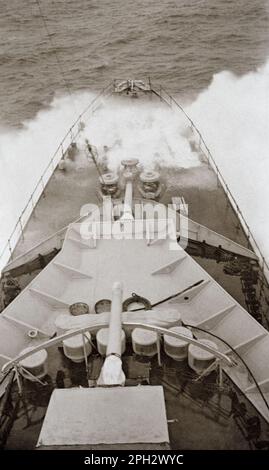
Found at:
<point>202,416</point>
<point>68,191</point>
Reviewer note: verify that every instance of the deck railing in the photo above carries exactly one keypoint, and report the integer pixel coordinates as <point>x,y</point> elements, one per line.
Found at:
<point>161,331</point>
<point>164,96</point>
<point>39,189</point>
<point>71,136</point>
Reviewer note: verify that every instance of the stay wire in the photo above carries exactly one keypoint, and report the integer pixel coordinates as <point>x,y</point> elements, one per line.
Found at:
<point>213,335</point>
<point>236,353</point>
<point>66,84</point>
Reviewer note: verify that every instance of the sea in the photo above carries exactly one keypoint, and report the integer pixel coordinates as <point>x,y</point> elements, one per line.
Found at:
<point>212,55</point>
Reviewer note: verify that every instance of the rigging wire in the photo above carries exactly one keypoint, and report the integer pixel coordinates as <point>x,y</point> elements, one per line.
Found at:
<point>236,353</point>
<point>213,335</point>
<point>166,299</point>
<point>53,47</point>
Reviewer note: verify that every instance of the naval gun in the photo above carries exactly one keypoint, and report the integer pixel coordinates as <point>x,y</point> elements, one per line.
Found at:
<point>111,372</point>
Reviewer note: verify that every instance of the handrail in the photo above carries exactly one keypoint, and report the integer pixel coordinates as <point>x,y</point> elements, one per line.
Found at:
<point>73,133</point>
<point>44,240</point>
<point>170,100</point>
<point>159,330</point>
<point>40,186</point>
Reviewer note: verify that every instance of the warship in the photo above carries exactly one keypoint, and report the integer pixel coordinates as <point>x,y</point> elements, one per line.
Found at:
<point>134,305</point>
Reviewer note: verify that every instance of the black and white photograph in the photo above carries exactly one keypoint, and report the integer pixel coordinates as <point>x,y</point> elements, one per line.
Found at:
<point>134,232</point>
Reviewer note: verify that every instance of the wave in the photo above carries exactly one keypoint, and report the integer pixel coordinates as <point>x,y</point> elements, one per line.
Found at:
<point>148,131</point>
<point>233,116</point>
<point>25,153</point>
